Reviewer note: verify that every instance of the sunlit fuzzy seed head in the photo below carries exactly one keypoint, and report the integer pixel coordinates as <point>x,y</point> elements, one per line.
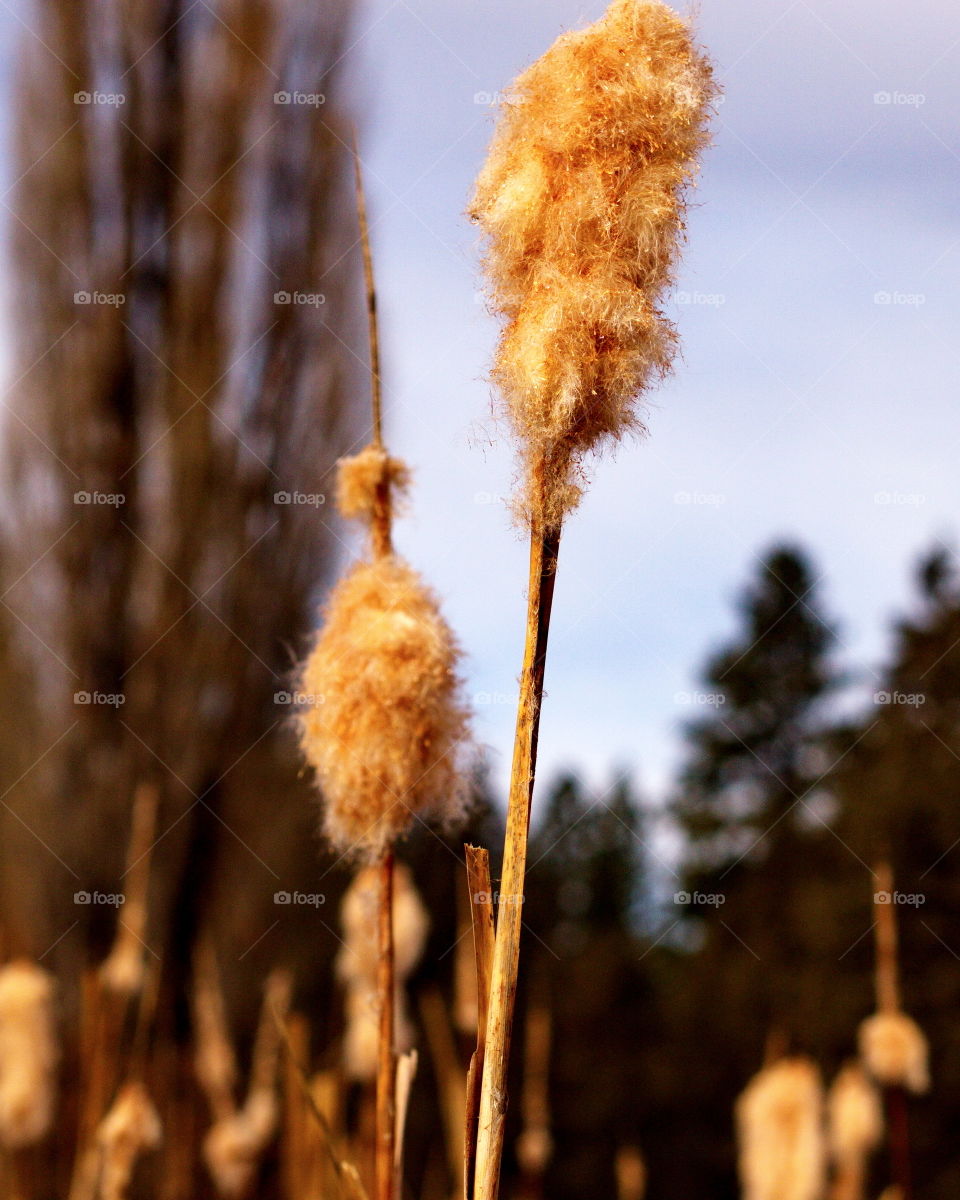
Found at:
<point>130,1128</point>
<point>854,1115</point>
<point>385,725</point>
<point>895,1052</point>
<point>582,203</point>
<point>780,1133</point>
<point>28,1053</point>
<point>360,476</point>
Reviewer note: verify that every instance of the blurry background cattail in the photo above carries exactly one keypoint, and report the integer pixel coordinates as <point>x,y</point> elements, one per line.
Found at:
<point>780,1132</point>
<point>854,1130</point>
<point>29,1052</point>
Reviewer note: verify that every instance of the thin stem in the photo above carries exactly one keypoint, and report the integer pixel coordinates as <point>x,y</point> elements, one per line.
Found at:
<point>898,1125</point>
<point>372,324</point>
<point>885,929</point>
<point>544,549</point>
<point>386,1055</point>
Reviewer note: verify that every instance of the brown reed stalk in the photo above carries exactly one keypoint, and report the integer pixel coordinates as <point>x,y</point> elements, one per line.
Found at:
<point>386,1051</point>
<point>544,549</point>
<point>479,889</point>
<point>450,1078</point>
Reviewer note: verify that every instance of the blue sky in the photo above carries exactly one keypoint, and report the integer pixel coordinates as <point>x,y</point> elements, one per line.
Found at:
<point>816,397</point>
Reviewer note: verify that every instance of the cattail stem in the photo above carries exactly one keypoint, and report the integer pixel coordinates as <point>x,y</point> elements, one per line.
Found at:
<point>386,1057</point>
<point>899,1137</point>
<point>544,550</point>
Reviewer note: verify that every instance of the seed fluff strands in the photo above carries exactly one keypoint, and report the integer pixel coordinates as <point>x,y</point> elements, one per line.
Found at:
<point>385,726</point>
<point>581,203</point>
<point>130,1128</point>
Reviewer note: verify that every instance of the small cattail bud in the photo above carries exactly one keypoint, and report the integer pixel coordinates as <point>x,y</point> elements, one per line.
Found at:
<point>361,476</point>
<point>386,724</point>
<point>234,1145</point>
<point>28,1053</point>
<point>582,204</point>
<point>895,1051</point>
<point>780,1131</point>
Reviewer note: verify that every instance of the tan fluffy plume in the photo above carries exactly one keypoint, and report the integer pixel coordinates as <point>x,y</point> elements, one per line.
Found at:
<point>384,723</point>
<point>780,1131</point>
<point>582,202</point>
<point>131,1127</point>
<point>28,1053</point>
<point>357,964</point>
<point>895,1051</point>
<point>360,476</point>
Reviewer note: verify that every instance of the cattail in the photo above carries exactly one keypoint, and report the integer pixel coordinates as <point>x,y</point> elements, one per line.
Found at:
<point>895,1051</point>
<point>28,1053</point>
<point>131,1127</point>
<point>386,722</point>
<point>780,1131</point>
<point>360,476</point>
<point>357,964</point>
<point>582,204</point>
<point>855,1127</point>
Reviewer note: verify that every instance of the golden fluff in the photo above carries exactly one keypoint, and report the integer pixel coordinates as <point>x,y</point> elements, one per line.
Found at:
<point>854,1115</point>
<point>582,203</point>
<point>384,719</point>
<point>131,1127</point>
<point>895,1051</point>
<point>359,476</point>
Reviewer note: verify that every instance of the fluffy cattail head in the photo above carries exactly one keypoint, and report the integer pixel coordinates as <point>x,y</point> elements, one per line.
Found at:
<point>854,1115</point>
<point>582,204</point>
<point>780,1130</point>
<point>386,724</point>
<point>28,1053</point>
<point>234,1146</point>
<point>895,1051</point>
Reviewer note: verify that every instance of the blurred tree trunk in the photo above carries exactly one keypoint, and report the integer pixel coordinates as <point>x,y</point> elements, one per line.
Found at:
<point>156,585</point>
